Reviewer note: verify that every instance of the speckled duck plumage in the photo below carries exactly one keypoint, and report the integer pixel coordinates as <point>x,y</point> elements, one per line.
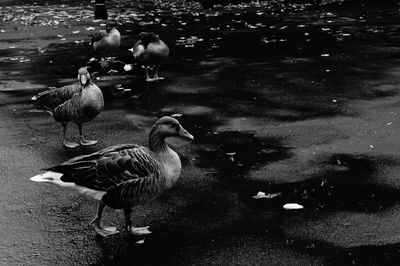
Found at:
<point>77,103</point>
<point>150,52</point>
<point>124,175</point>
<point>108,40</point>
<point>73,103</point>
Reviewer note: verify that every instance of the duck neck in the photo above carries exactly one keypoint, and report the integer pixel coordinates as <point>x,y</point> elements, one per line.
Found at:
<point>157,142</point>
<point>84,86</point>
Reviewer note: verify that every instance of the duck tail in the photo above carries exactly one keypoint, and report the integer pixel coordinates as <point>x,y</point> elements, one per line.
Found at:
<point>49,177</point>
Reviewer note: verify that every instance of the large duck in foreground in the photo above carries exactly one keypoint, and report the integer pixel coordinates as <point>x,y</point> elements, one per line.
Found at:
<point>150,52</point>
<point>124,175</point>
<point>77,103</point>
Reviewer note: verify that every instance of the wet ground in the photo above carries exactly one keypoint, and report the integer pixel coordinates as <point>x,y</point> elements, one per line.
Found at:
<point>289,98</point>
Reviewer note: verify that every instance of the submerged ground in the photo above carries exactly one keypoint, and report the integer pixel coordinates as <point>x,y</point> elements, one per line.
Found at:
<point>297,99</point>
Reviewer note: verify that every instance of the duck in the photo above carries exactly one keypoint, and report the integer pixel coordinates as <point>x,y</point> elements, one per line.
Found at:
<point>124,175</point>
<point>108,41</point>
<point>150,52</point>
<point>76,103</point>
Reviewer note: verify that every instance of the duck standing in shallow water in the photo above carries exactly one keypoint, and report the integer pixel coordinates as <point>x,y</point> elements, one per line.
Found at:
<point>77,103</point>
<point>150,52</point>
<point>124,175</point>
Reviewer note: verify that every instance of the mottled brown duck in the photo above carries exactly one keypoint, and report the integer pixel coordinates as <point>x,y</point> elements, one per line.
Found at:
<point>108,40</point>
<point>76,103</point>
<point>124,175</point>
<point>150,52</point>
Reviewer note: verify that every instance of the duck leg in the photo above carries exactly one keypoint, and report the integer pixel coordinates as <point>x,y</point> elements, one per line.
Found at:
<point>104,232</point>
<point>82,140</point>
<point>148,79</point>
<point>66,142</point>
<point>137,231</point>
<point>156,77</point>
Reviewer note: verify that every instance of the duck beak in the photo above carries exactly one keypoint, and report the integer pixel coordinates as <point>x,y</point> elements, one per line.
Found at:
<point>83,79</point>
<point>184,134</point>
<point>131,50</point>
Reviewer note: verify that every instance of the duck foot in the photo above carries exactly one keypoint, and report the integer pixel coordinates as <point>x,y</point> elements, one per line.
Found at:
<point>159,78</point>
<point>139,231</point>
<point>104,232</point>
<point>151,79</point>
<point>85,142</point>
<point>70,144</point>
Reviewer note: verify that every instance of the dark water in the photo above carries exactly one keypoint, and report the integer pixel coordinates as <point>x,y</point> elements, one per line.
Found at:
<point>270,64</point>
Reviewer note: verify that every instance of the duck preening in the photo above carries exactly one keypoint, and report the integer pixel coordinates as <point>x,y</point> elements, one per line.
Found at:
<point>77,103</point>
<point>150,52</point>
<point>124,175</point>
<point>106,41</point>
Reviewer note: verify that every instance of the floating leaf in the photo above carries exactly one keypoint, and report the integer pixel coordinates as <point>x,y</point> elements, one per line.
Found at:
<point>127,67</point>
<point>262,195</point>
<point>292,206</point>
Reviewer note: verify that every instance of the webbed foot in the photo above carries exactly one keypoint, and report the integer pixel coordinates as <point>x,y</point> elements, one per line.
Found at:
<point>104,232</point>
<point>85,142</point>
<point>139,231</point>
<point>70,144</point>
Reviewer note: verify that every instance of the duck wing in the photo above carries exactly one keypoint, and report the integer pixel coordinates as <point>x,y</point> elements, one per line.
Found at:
<point>124,171</point>
<point>52,98</point>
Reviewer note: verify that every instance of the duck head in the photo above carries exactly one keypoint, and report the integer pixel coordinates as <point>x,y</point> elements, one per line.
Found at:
<point>170,127</point>
<point>148,37</point>
<point>111,24</point>
<point>83,76</point>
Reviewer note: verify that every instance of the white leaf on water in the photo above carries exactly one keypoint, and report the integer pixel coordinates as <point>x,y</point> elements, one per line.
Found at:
<point>75,32</point>
<point>262,195</point>
<point>127,67</point>
<point>292,206</point>
<point>140,242</point>
<point>90,28</point>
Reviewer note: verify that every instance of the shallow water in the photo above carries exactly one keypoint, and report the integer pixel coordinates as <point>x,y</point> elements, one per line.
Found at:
<point>280,97</point>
